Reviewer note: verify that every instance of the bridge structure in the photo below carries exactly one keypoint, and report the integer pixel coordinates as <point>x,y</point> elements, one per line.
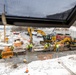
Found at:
<point>42,22</point>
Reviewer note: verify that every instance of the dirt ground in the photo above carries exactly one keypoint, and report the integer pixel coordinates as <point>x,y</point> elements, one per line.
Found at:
<point>47,55</point>
<point>33,56</point>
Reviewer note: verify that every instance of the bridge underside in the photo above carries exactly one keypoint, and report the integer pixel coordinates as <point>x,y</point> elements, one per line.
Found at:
<point>41,22</point>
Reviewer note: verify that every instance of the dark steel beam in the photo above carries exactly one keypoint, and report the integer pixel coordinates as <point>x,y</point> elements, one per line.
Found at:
<point>41,22</point>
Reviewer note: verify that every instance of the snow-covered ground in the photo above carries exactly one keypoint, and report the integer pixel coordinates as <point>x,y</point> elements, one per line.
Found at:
<point>41,67</point>
<point>36,40</point>
<point>72,32</point>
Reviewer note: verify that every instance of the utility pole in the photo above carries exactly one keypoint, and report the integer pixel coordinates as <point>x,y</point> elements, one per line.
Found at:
<point>4,23</point>
<point>4,27</point>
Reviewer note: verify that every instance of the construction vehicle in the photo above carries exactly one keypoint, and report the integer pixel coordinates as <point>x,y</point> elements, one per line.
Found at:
<point>7,52</point>
<point>66,40</point>
<point>30,33</point>
<point>30,30</point>
<point>73,44</point>
<point>46,38</point>
<point>41,32</point>
<point>59,36</point>
<point>65,43</point>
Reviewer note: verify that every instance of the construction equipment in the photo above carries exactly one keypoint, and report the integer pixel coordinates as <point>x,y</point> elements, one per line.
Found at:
<point>46,38</point>
<point>50,38</point>
<point>73,44</point>
<point>30,30</point>
<point>54,39</point>
<point>41,32</point>
<point>65,42</point>
<point>7,52</point>
<point>30,33</point>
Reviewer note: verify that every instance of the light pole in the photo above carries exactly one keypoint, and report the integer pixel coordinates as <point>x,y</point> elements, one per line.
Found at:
<point>4,23</point>
<point>4,27</point>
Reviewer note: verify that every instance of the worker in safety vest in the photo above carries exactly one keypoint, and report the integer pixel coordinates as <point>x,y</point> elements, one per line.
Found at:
<point>46,46</point>
<point>29,47</point>
<point>57,47</point>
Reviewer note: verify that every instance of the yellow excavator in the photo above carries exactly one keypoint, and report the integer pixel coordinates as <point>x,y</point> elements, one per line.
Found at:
<point>30,30</point>
<point>65,40</point>
<point>46,38</point>
<point>49,38</point>
<point>65,43</point>
<point>41,32</point>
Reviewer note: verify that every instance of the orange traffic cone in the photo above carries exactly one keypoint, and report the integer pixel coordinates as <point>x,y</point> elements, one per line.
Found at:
<point>27,70</point>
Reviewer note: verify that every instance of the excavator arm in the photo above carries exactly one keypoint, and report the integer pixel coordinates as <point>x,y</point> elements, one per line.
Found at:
<point>65,40</point>
<point>38,31</point>
<point>41,32</point>
<point>30,33</point>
